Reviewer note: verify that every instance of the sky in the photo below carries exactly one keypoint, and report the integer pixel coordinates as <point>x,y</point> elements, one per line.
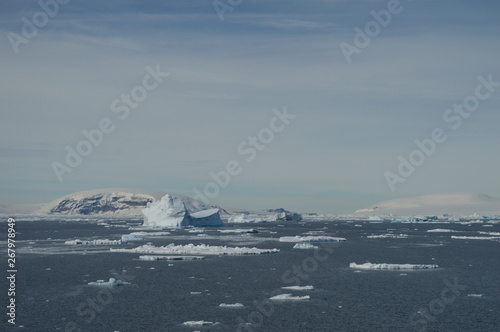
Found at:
<point>313,106</point>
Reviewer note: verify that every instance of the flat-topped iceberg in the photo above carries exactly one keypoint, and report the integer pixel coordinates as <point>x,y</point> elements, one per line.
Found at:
<point>385,266</point>
<point>171,211</point>
<point>202,249</point>
<point>298,238</point>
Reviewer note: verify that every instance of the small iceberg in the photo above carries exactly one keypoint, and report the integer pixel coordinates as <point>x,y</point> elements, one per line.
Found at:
<point>289,297</point>
<point>388,236</point>
<point>199,323</point>
<point>231,306</point>
<point>385,266</point>
<point>111,283</point>
<point>304,245</point>
<point>201,249</point>
<point>298,288</point>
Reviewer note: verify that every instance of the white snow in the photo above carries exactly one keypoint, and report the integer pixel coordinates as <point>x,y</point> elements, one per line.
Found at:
<point>112,282</point>
<point>385,266</point>
<point>202,249</point>
<point>289,297</point>
<point>171,258</point>
<point>304,245</point>
<point>171,211</point>
<point>298,288</point>
<point>298,238</point>
<point>232,306</point>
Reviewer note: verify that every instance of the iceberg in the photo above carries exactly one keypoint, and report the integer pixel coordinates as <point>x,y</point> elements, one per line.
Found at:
<point>440,230</point>
<point>289,297</point>
<point>202,249</point>
<point>311,239</point>
<point>199,323</point>
<point>243,219</point>
<point>385,266</point>
<point>475,237</point>
<point>171,212</point>
<point>131,237</point>
<point>111,283</point>
<point>388,236</point>
<point>304,245</point>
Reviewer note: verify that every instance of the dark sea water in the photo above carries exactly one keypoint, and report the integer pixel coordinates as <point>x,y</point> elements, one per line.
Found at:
<point>52,292</point>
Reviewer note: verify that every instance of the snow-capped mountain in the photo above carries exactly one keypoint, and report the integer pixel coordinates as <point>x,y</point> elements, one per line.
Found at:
<point>458,204</point>
<point>115,201</point>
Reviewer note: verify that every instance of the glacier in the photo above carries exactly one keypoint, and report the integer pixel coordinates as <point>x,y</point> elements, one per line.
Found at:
<point>171,212</point>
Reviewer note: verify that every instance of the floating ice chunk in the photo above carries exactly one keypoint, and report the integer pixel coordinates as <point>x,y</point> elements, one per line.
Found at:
<point>490,233</point>
<point>385,266</point>
<point>238,230</point>
<point>171,258</point>
<point>191,249</point>
<point>311,239</point>
<point>232,306</point>
<point>304,245</point>
<point>289,297</point>
<point>475,237</point>
<point>93,242</point>
<point>389,236</point>
<point>298,288</point>
<point>440,230</point>
<point>131,237</point>
<point>111,283</point>
<point>199,323</point>
<point>475,295</point>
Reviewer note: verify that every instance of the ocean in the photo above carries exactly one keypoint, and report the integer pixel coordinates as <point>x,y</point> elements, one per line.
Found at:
<point>52,291</point>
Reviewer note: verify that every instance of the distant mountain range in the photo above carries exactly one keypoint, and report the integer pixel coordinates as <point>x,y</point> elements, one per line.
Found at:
<point>457,204</point>
<point>119,201</point>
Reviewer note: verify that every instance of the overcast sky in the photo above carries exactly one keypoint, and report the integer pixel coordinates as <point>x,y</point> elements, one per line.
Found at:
<point>352,120</point>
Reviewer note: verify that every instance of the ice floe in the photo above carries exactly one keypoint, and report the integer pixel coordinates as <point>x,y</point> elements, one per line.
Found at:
<point>298,238</point>
<point>441,230</point>
<point>231,305</point>
<point>199,323</point>
<point>385,266</point>
<point>289,297</point>
<point>191,249</point>
<point>93,242</point>
<point>298,288</point>
<point>171,258</point>
<point>475,237</point>
<point>388,236</point>
<point>131,237</point>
